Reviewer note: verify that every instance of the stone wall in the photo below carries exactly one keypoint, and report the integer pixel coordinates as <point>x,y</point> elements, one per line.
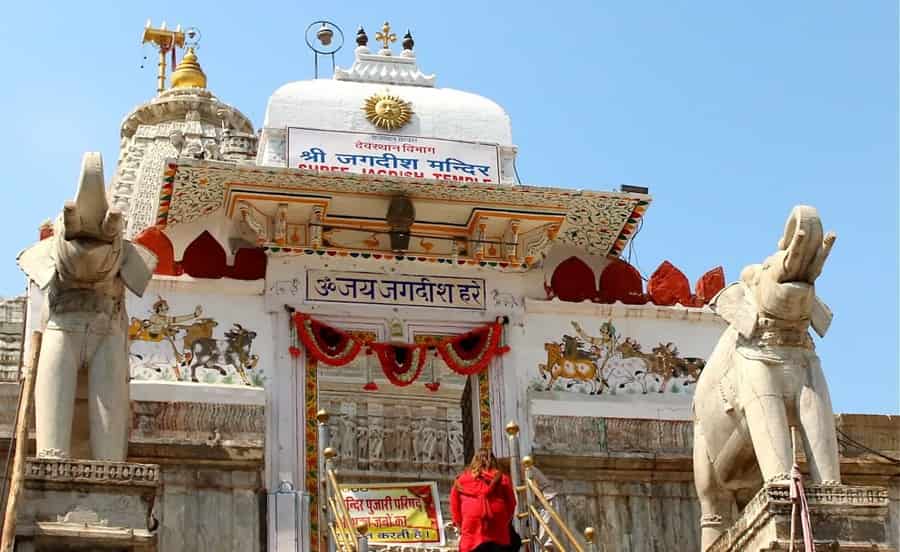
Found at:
<point>211,459</point>
<point>12,318</point>
<point>632,480</point>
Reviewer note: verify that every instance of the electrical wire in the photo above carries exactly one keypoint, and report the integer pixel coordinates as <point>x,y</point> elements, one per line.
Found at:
<point>516,170</point>
<point>850,441</point>
<point>633,253</point>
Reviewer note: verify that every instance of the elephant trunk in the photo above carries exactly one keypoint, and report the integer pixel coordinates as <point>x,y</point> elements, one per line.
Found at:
<point>804,249</point>
<point>815,268</point>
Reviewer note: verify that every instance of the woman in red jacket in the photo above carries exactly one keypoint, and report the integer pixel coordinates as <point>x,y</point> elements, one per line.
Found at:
<point>483,504</point>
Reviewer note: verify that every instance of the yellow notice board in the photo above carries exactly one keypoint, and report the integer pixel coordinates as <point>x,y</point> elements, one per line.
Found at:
<point>397,513</point>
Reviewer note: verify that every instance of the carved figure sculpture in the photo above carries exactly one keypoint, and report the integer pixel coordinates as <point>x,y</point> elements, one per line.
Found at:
<point>376,443</point>
<point>347,435</point>
<point>763,377</point>
<point>84,269</point>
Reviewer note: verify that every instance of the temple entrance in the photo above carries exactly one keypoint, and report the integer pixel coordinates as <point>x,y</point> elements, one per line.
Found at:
<point>394,433</point>
<point>384,432</point>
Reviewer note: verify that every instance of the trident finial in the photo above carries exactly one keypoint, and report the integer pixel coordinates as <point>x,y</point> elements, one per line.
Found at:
<point>385,36</point>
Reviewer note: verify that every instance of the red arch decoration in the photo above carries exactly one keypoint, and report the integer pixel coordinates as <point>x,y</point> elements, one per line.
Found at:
<point>249,264</point>
<point>573,280</point>
<point>154,239</point>
<point>709,285</point>
<point>668,286</point>
<point>620,281</point>
<point>204,257</point>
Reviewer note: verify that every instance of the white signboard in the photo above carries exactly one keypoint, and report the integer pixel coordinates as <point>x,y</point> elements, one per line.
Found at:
<point>396,289</point>
<point>393,155</point>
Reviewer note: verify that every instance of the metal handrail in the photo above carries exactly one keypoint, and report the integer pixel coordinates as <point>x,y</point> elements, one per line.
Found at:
<point>528,516</point>
<point>535,491</point>
<point>345,536</point>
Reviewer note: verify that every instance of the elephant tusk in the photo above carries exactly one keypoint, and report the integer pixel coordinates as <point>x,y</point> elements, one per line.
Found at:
<point>112,224</point>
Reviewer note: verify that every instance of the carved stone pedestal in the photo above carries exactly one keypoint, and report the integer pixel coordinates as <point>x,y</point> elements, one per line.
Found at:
<point>84,505</point>
<point>844,519</point>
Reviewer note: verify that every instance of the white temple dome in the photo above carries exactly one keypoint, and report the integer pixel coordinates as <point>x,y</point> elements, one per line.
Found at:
<point>346,104</point>
<point>437,112</point>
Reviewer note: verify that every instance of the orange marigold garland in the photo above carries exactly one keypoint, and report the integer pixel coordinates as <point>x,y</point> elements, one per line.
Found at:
<point>328,345</point>
<point>402,364</point>
<point>472,351</point>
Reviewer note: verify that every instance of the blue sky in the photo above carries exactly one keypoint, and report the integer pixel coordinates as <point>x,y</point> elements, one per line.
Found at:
<point>730,112</point>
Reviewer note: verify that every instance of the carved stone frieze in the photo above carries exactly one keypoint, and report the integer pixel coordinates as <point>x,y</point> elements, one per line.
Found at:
<point>592,221</point>
<point>64,470</point>
<point>843,518</point>
<point>179,123</point>
<point>88,505</point>
<point>197,420</point>
<point>588,435</point>
<point>374,439</point>
<point>193,104</point>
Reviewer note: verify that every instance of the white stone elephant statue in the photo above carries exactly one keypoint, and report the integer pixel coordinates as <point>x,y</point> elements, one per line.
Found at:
<point>84,269</point>
<point>763,378</point>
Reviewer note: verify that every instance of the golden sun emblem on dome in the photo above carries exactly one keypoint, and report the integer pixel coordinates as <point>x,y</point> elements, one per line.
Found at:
<point>387,111</point>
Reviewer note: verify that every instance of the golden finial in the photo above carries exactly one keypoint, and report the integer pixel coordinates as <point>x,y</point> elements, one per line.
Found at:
<point>322,416</point>
<point>512,428</point>
<point>589,534</point>
<point>385,36</point>
<point>165,40</point>
<point>189,74</point>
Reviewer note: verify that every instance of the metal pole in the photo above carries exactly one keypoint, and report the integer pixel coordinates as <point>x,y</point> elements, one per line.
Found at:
<point>329,495</point>
<point>512,432</point>
<point>589,537</point>
<point>9,519</point>
<point>527,533</point>
<point>161,71</point>
<point>324,439</point>
<point>362,541</point>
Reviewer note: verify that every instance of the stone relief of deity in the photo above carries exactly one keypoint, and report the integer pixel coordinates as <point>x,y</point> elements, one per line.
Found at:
<point>182,347</point>
<point>347,424</point>
<point>430,441</point>
<point>611,364</point>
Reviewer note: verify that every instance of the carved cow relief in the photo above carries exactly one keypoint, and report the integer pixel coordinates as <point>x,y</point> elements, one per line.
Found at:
<point>609,363</point>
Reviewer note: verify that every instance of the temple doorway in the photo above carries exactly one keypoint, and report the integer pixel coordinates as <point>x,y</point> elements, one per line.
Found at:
<point>384,432</point>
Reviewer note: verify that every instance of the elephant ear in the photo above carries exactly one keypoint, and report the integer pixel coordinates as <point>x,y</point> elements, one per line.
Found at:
<point>820,317</point>
<point>137,267</point>
<point>736,306</point>
<point>37,262</point>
